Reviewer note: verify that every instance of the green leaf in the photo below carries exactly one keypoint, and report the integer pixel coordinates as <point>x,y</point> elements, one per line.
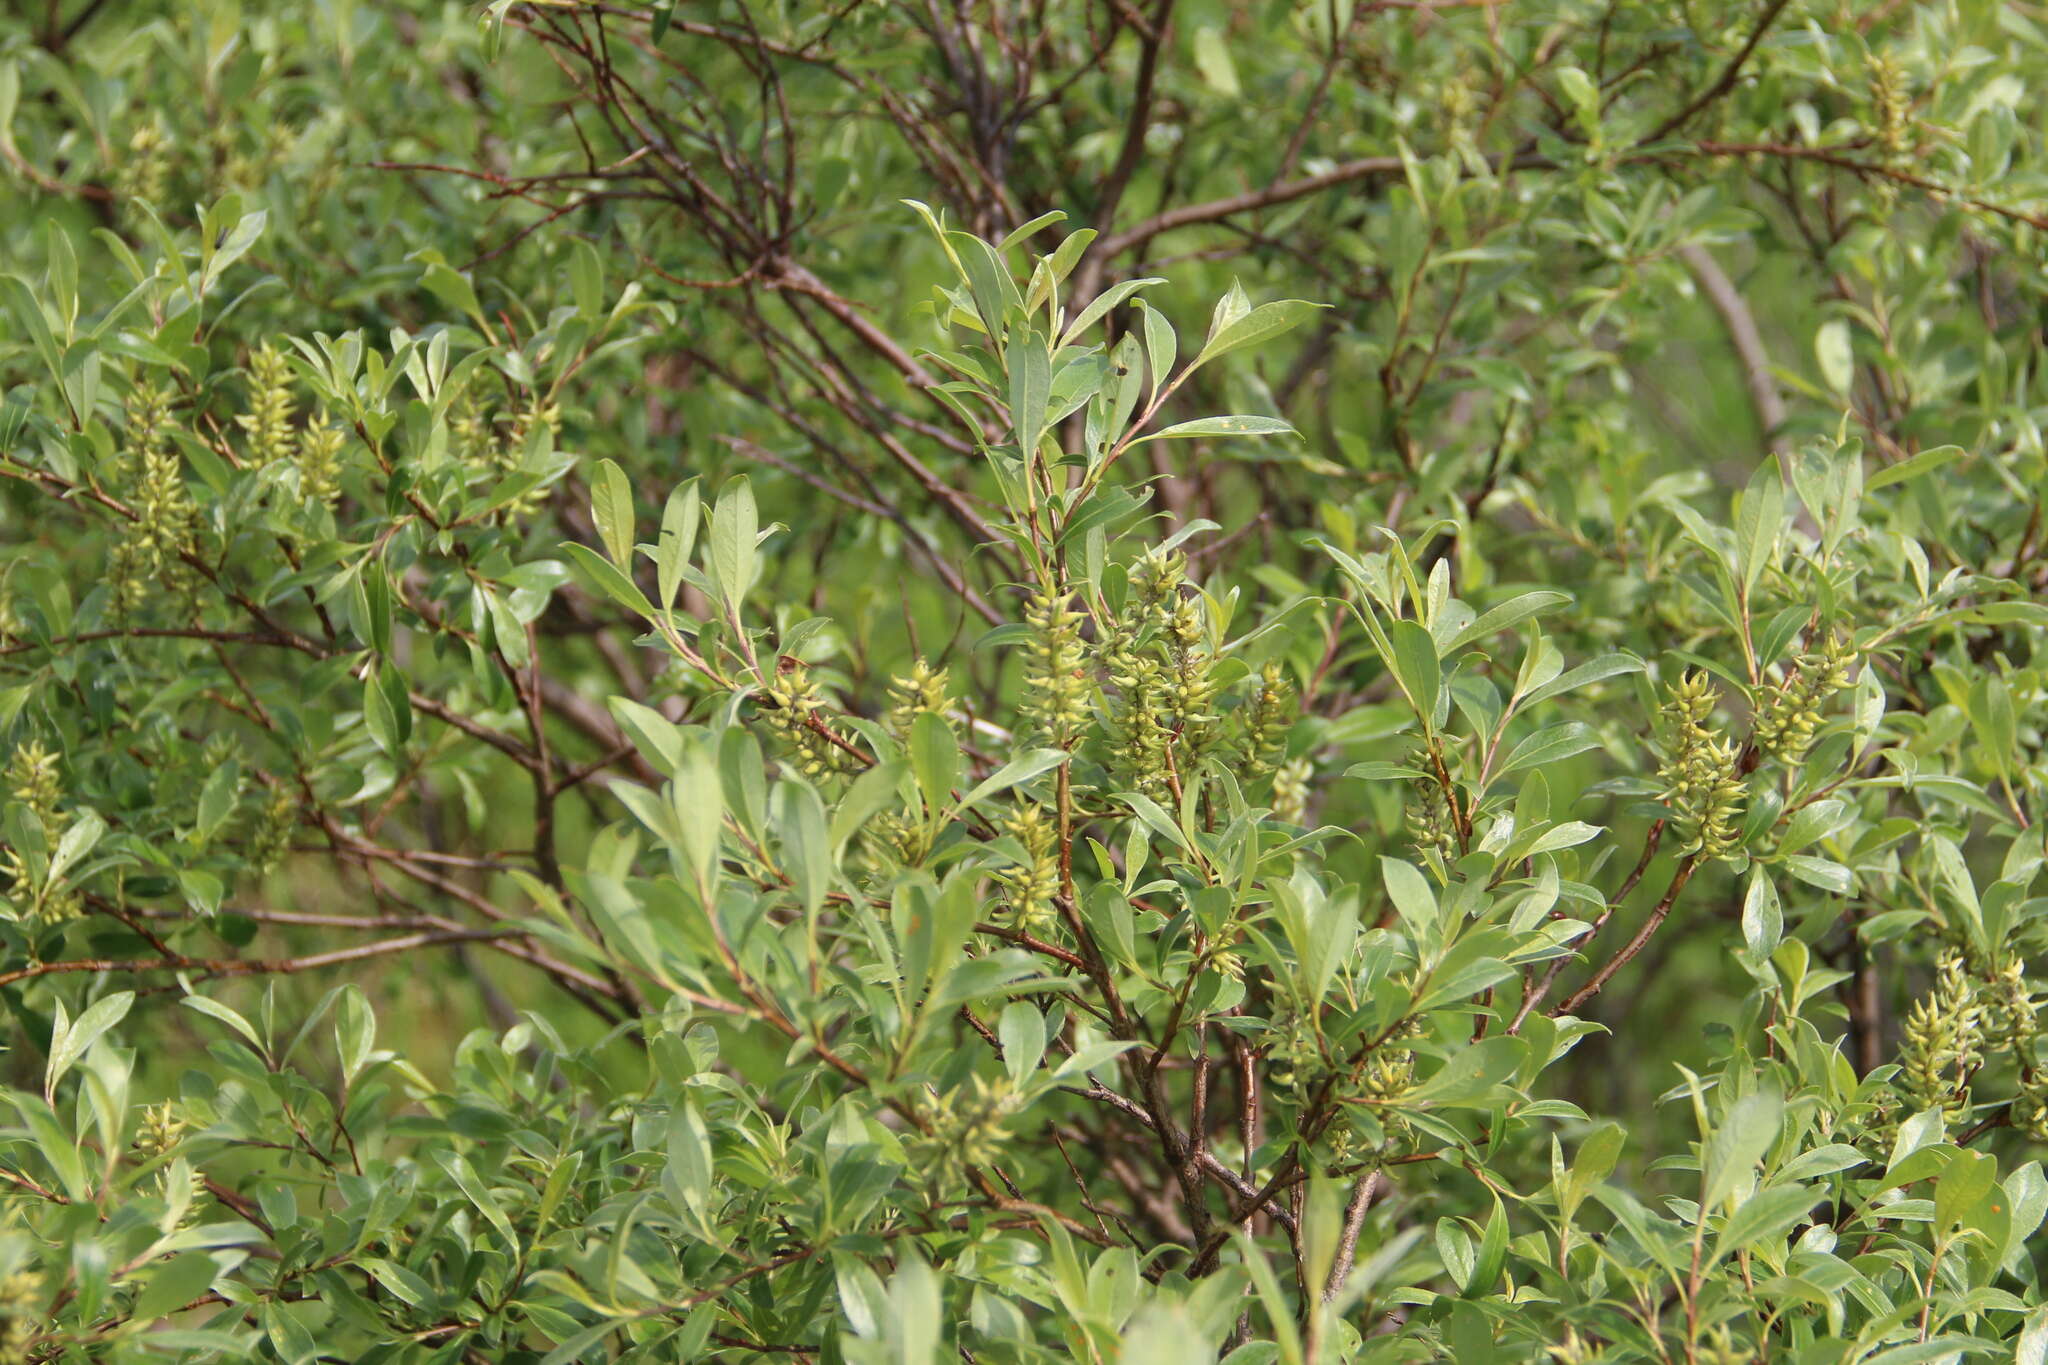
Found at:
<point>1413,901</point>
<point>1212,60</point>
<point>1266,321</point>
<point>80,838</point>
<point>1738,1144</point>
<point>690,1158</point>
<point>1925,462</point>
<point>1030,390</point>
<point>170,1286</point>
<point>1763,921</point>
<point>1584,97</point>
<point>63,273</point>
<point>679,519</point>
<point>1759,522</point>
<point>1606,666</point>
<point>1221,426</point>
<point>453,290</point>
<point>70,1041</point>
<point>473,1187</point>
<point>213,1009</point>
<point>613,583</point>
<point>1470,1074</point>
<point>1016,772</point>
<point>1492,1255</point>
<point>1506,616</point>
<point>1099,307</point>
<point>1831,346</point>
<point>699,800</point>
<point>611,507</point>
<point>1161,346</point>
<point>734,529</point>
<point>1766,1216</point>
<point>379,719</point>
<point>586,275</point>
<point>355,1031</point>
<point>216,801</point>
<point>1416,668</point>
<point>1022,1032</point>
<point>1969,1181</point>
<point>934,759</point>
<point>2032,1348</point>
<point>1552,744</point>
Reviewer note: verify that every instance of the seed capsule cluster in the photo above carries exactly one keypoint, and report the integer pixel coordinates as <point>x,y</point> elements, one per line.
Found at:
<point>1055,701</point>
<point>922,691</point>
<point>1030,887</point>
<point>269,418</point>
<point>794,710</point>
<point>1944,1042</point>
<point>20,1311</point>
<point>1699,772</point>
<point>1790,714</point>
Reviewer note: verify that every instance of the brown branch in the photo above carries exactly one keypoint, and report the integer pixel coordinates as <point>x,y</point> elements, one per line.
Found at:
<point>1536,996</point>
<point>1743,336</point>
<point>1635,945</point>
<point>1727,79</point>
<point>258,966</point>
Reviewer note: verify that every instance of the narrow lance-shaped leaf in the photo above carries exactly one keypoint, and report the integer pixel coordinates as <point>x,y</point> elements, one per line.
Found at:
<point>1221,426</point>
<point>611,507</point>
<point>1260,324</point>
<point>734,527</point>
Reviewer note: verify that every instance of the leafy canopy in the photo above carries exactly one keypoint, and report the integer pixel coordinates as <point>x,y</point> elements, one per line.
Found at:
<point>653,712</point>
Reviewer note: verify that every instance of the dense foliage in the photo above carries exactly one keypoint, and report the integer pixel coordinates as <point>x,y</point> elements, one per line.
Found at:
<point>1152,680</point>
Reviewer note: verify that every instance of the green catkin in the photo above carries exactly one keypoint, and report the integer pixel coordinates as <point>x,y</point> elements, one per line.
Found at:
<point>162,1129</point>
<point>269,418</point>
<point>921,691</point>
<point>1891,107</point>
<point>793,711</point>
<point>165,525</point>
<point>1055,701</point>
<point>2012,1026</point>
<point>20,1311</point>
<point>33,780</point>
<point>1139,737</point>
<point>1160,717</point>
<point>525,422</point>
<point>512,455</point>
<point>1190,684</point>
<point>1029,888</point>
<point>145,474</point>
<point>903,842</point>
<point>1264,718</point>
<point>1701,784</point>
<point>1790,713</point>
<point>1892,113</point>
<point>963,1128</point>
<point>1156,581</point>
<point>1430,826</point>
<point>469,430</point>
<point>148,413</point>
<point>1944,1042</point>
<point>273,833</point>
<point>1290,791</point>
<point>319,463</point>
<point>145,172</point>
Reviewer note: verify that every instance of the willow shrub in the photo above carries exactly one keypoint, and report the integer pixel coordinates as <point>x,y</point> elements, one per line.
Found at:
<point>1050,1031</point>
<point>1527,899</point>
